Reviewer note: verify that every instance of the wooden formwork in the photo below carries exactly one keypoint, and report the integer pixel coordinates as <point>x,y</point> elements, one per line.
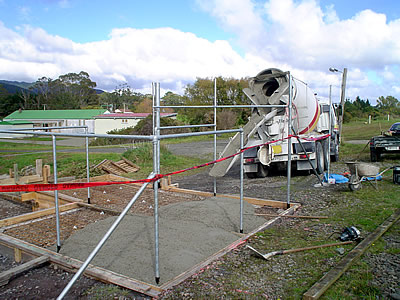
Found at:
<point>24,251</point>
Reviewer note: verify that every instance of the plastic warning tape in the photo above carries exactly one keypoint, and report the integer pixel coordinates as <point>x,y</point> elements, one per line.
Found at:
<point>80,185</point>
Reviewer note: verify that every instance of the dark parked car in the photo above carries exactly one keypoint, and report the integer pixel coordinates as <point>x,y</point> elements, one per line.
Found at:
<point>385,143</point>
<point>395,129</point>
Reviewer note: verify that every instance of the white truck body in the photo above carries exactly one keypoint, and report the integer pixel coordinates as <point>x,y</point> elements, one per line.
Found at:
<point>269,126</point>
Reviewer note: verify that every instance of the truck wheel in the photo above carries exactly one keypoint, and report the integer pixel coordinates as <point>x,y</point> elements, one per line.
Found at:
<point>262,171</point>
<point>325,146</point>
<point>335,154</point>
<point>251,175</point>
<point>319,153</point>
<point>375,155</point>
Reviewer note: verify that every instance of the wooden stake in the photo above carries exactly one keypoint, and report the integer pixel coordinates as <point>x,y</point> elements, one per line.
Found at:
<point>16,177</point>
<point>39,167</point>
<point>46,173</point>
<point>17,255</point>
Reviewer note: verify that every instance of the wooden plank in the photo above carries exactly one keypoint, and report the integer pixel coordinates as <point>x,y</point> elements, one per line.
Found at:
<point>195,269</point>
<point>33,179</point>
<point>117,166</point>
<point>36,214</point>
<point>130,163</point>
<point>28,196</point>
<point>100,163</point>
<point>21,180</point>
<point>320,287</point>
<point>110,168</point>
<point>41,197</point>
<point>61,196</point>
<point>255,201</point>
<point>72,264</point>
<point>11,197</point>
<point>293,216</point>
<point>34,263</point>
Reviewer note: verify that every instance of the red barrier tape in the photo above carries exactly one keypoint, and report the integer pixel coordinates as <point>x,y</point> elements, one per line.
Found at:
<point>81,185</point>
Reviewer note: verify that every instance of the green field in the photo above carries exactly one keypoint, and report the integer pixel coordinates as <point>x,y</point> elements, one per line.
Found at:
<point>361,130</point>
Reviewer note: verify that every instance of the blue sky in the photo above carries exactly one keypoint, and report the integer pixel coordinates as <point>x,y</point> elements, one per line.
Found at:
<point>175,42</point>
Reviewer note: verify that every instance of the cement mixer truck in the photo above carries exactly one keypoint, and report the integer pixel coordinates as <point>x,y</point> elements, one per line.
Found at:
<point>311,119</point>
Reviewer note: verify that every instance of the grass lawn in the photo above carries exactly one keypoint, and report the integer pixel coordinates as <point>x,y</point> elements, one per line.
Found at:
<point>360,130</point>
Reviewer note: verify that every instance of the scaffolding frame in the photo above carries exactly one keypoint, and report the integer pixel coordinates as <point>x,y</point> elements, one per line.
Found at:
<point>155,139</point>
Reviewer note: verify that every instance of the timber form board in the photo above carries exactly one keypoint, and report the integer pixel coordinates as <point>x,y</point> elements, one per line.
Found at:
<point>23,248</point>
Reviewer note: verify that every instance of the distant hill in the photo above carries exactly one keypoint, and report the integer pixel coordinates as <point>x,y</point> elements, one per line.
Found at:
<point>14,87</point>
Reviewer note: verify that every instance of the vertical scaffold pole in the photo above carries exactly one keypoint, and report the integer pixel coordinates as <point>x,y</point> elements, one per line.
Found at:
<point>104,239</point>
<point>289,162</point>
<point>56,193</point>
<point>330,133</point>
<point>215,135</point>
<point>154,111</point>
<point>241,179</point>
<point>87,165</point>
<point>156,168</point>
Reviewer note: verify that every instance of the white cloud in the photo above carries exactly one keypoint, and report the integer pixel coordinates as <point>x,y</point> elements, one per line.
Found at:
<point>298,36</point>
<point>309,40</point>
<point>238,16</point>
<point>136,56</point>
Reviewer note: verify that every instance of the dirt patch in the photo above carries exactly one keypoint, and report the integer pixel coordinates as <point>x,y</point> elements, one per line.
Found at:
<point>48,282</point>
<point>116,197</point>
<point>10,208</point>
<point>42,232</point>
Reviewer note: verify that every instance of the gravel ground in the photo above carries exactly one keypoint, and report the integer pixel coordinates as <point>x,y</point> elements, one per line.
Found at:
<point>241,275</point>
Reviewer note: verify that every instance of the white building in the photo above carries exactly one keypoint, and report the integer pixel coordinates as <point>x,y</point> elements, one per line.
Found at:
<point>107,122</point>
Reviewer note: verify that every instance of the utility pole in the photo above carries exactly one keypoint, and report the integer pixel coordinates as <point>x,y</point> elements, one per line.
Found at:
<point>342,100</point>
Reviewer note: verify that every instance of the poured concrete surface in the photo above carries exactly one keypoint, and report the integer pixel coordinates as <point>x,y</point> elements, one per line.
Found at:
<point>190,232</point>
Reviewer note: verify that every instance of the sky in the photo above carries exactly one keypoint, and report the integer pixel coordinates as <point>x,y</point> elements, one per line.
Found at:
<point>174,42</point>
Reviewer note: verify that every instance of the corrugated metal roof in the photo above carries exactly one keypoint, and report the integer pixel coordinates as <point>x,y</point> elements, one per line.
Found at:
<point>14,122</point>
<point>54,114</point>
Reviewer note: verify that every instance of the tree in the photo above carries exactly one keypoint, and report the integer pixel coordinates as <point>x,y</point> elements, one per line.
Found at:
<point>69,91</point>
<point>42,90</point>
<point>388,104</point>
<point>145,106</point>
<point>8,102</point>
<point>229,92</point>
<point>172,99</point>
<point>122,96</point>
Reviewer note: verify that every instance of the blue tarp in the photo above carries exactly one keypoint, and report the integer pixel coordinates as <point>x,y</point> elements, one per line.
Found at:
<point>342,179</point>
<point>337,177</point>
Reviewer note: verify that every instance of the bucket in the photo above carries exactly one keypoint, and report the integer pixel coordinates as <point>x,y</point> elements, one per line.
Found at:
<point>396,175</point>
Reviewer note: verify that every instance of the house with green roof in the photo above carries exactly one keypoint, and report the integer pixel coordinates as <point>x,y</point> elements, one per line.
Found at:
<point>58,118</point>
<point>12,125</point>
